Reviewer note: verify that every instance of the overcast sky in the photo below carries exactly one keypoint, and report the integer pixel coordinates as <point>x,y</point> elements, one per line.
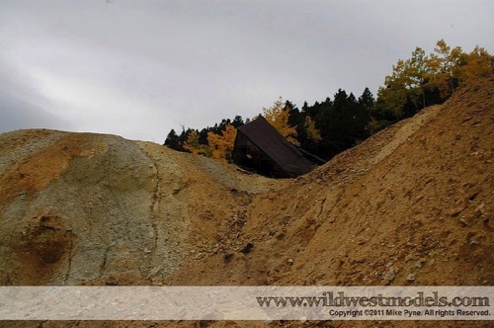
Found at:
<point>138,68</point>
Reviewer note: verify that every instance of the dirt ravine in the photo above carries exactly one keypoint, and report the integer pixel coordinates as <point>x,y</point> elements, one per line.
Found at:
<point>412,205</point>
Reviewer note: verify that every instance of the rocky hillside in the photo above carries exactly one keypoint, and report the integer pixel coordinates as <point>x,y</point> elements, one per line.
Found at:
<point>413,205</point>
<point>81,207</point>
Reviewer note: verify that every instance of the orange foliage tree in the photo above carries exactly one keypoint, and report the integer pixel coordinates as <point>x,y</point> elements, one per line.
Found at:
<point>192,144</point>
<point>277,115</point>
<point>310,128</point>
<point>420,76</point>
<point>221,146</point>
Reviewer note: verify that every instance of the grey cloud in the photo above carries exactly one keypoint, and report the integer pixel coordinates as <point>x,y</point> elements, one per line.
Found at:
<point>21,106</point>
<point>16,114</point>
<point>196,62</point>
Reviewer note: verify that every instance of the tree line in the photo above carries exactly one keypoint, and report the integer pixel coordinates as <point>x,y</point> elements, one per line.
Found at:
<point>329,127</point>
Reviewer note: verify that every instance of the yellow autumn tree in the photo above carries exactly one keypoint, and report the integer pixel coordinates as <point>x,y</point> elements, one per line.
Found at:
<point>428,79</point>
<point>448,67</point>
<point>277,115</point>
<point>311,130</point>
<point>221,146</point>
<point>192,144</point>
<point>477,64</point>
<point>443,67</point>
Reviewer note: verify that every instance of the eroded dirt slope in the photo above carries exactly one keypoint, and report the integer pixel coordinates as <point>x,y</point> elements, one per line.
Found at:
<point>413,205</point>
<point>87,208</point>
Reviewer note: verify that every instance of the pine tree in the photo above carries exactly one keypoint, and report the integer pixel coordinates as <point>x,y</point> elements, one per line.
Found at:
<point>173,141</point>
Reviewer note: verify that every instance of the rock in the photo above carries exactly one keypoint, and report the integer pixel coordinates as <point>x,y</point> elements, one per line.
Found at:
<point>290,261</point>
<point>390,275</point>
<point>487,222</point>
<point>411,277</point>
<point>51,222</point>
<point>474,243</point>
<point>480,210</point>
<point>247,248</point>
<point>456,211</point>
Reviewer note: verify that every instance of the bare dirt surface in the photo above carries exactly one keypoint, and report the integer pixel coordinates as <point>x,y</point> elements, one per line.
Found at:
<point>415,200</point>
<point>79,208</point>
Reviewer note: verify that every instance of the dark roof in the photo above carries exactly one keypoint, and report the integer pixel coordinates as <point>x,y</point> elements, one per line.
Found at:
<point>276,147</point>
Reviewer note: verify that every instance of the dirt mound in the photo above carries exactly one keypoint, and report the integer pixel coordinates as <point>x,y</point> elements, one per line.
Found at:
<point>79,208</point>
<point>413,205</point>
